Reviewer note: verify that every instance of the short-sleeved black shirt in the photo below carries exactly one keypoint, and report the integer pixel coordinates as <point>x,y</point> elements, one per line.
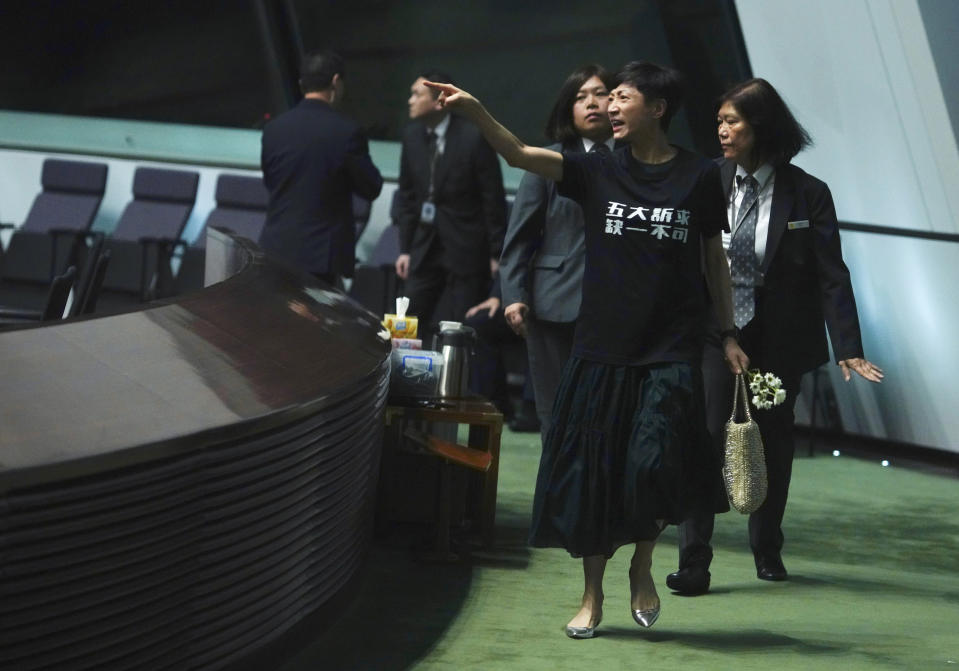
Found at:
<point>643,287</point>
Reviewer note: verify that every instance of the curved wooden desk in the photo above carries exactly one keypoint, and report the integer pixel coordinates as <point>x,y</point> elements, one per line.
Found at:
<point>182,485</point>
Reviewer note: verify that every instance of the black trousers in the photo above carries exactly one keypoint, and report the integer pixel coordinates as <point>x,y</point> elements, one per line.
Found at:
<point>487,369</point>
<point>438,295</point>
<point>775,426</point>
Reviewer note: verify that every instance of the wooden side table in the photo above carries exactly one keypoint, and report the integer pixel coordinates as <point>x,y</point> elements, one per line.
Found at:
<point>485,429</point>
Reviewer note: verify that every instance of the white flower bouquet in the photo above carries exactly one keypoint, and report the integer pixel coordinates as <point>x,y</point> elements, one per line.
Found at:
<point>766,389</point>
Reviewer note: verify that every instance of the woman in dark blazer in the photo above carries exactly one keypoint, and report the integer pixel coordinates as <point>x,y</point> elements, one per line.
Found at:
<point>789,279</point>
<point>541,269</point>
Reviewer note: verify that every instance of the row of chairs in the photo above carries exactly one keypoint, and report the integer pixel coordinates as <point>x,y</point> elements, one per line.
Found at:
<point>147,235</point>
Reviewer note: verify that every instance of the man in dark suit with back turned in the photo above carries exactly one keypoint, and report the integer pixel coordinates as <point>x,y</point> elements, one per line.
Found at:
<point>452,210</point>
<point>314,158</point>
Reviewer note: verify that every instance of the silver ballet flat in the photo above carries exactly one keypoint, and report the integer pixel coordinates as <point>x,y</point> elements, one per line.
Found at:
<point>646,618</point>
<point>582,632</point>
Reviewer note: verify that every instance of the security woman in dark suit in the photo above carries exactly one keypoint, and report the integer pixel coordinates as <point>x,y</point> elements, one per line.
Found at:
<point>541,269</point>
<point>788,280</point>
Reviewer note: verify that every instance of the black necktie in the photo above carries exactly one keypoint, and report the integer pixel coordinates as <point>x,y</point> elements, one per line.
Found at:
<point>433,145</point>
<point>743,265</point>
<point>599,148</point>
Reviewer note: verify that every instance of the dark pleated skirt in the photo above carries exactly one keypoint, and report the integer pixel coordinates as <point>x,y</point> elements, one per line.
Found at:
<point>627,452</point>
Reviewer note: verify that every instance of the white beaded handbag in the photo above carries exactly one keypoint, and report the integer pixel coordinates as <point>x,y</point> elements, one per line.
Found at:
<point>744,466</point>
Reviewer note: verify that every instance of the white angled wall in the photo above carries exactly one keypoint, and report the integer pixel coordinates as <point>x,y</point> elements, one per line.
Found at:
<point>860,76</point>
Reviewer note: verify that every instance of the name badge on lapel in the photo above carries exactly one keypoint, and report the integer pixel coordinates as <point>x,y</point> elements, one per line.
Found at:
<point>794,225</point>
<point>428,213</point>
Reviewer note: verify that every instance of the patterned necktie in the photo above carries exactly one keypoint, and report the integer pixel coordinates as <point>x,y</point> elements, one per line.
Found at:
<point>743,265</point>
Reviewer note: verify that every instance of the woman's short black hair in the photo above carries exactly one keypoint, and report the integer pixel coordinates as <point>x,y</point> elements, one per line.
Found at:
<point>317,70</point>
<point>778,136</point>
<point>656,81</point>
<point>560,127</point>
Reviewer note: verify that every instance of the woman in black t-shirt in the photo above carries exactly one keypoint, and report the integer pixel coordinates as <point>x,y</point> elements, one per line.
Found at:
<point>626,452</point>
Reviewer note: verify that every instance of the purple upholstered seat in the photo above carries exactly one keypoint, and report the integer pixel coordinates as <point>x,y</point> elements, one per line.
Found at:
<point>241,202</point>
<point>72,191</point>
<point>71,195</point>
<point>161,205</point>
<point>240,207</point>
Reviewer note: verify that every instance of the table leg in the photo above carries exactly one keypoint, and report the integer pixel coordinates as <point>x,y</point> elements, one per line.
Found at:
<point>486,437</point>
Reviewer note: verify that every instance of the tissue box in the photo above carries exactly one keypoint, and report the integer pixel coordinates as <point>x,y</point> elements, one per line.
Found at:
<point>407,343</point>
<point>400,327</point>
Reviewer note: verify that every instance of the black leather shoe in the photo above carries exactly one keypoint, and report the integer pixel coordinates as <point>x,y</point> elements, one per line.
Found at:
<point>521,423</point>
<point>771,569</point>
<point>690,581</point>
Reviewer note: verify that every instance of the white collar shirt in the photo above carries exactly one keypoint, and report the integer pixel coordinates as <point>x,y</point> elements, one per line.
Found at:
<point>588,144</point>
<point>440,130</point>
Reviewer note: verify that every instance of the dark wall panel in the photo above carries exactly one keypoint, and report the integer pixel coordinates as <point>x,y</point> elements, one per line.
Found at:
<point>230,63</point>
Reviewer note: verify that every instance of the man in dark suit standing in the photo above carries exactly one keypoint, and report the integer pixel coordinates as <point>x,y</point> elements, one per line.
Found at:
<point>452,210</point>
<point>789,280</point>
<point>313,159</point>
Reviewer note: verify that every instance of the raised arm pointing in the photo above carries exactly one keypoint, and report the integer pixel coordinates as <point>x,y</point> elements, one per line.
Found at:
<point>543,162</point>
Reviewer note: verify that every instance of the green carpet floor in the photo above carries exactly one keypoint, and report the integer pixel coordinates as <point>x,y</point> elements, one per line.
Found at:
<point>873,556</point>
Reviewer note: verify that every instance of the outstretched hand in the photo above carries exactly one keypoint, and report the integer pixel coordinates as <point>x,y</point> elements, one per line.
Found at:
<point>865,369</point>
<point>453,97</point>
<point>539,160</point>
